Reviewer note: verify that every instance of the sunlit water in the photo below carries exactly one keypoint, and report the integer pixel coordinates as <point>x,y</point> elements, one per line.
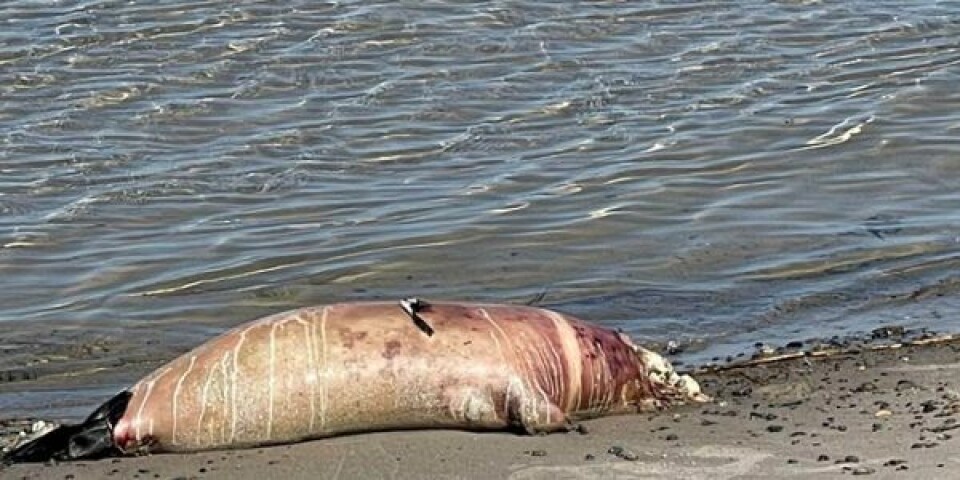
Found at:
<point>726,172</point>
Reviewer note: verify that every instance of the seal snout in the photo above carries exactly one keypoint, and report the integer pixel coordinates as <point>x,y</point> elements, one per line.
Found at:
<point>662,376</point>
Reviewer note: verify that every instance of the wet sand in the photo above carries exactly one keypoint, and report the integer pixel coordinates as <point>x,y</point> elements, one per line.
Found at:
<point>879,413</point>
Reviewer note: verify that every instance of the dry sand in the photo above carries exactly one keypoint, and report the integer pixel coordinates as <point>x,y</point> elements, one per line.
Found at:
<point>881,414</point>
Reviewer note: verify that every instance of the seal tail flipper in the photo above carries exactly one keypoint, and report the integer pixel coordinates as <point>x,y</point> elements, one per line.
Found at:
<point>51,445</point>
<point>91,439</point>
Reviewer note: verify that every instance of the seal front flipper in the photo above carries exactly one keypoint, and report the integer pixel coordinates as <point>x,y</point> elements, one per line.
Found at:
<point>91,439</point>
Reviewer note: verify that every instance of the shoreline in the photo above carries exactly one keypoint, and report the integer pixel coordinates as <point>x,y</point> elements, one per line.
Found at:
<point>887,410</point>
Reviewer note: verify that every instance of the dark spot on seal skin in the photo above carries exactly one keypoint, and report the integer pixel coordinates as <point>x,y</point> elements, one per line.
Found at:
<point>392,349</point>
<point>580,331</point>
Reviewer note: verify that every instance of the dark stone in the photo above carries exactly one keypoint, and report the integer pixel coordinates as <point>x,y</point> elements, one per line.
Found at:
<point>623,453</point>
<point>17,375</point>
<point>866,387</point>
<point>906,385</point>
<point>887,332</point>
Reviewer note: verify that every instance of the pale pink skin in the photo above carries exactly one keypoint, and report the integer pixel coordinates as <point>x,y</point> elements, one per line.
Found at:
<point>322,371</point>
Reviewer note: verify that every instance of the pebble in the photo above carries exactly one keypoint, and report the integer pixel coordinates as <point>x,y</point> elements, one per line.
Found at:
<point>906,385</point>
<point>17,375</point>
<point>623,453</point>
<point>866,387</point>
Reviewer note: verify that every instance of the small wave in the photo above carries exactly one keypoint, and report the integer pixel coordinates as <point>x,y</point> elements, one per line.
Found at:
<point>840,132</point>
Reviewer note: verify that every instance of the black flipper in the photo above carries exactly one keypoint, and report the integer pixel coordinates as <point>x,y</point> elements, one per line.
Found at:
<point>52,445</point>
<point>413,306</point>
<point>91,439</point>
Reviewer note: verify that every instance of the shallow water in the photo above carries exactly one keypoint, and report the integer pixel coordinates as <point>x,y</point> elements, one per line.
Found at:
<point>720,173</point>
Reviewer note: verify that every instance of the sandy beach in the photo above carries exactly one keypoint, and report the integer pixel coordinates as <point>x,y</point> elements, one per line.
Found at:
<point>880,413</point>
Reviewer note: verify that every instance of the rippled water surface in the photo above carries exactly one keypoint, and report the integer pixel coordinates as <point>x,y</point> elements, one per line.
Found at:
<point>726,172</point>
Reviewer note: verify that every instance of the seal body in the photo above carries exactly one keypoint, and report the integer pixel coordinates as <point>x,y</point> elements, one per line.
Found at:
<point>343,368</point>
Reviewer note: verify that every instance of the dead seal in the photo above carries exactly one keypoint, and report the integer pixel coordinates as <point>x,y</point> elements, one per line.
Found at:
<point>360,367</point>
